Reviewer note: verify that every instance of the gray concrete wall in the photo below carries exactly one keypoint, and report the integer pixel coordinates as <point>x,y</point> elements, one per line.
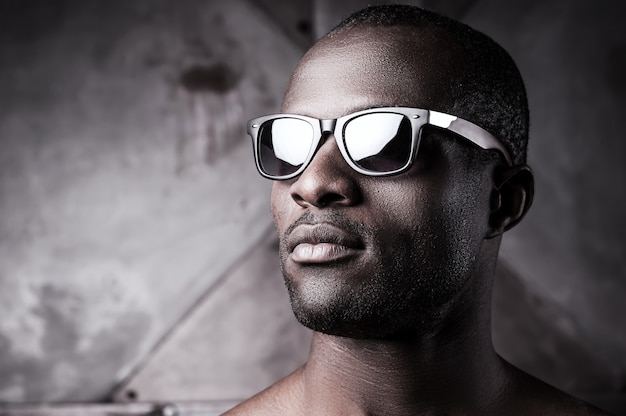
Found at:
<point>134,229</point>
<point>570,249</point>
<point>126,188</point>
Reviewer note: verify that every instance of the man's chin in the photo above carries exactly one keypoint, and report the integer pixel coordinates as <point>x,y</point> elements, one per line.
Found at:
<point>326,313</point>
<point>338,328</point>
<point>344,301</point>
<point>339,319</point>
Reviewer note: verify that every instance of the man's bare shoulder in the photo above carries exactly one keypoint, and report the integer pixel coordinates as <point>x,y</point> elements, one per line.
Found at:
<point>565,406</point>
<point>527,396</point>
<point>533,396</point>
<point>280,398</point>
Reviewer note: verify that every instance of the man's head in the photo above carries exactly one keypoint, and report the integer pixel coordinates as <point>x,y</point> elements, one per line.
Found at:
<point>381,256</point>
<point>479,82</point>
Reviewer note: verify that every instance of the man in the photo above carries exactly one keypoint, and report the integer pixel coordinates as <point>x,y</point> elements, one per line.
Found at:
<point>390,212</point>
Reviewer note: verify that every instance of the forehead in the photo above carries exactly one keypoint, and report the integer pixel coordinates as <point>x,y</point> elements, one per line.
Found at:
<point>372,67</point>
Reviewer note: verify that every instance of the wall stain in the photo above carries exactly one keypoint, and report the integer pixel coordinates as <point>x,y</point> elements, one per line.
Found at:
<point>212,114</point>
<point>219,78</point>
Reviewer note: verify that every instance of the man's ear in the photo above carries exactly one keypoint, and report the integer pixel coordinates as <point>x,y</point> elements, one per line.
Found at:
<point>511,198</point>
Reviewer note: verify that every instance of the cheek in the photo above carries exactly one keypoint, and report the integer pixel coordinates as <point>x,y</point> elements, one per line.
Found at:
<point>402,206</point>
<point>450,213</point>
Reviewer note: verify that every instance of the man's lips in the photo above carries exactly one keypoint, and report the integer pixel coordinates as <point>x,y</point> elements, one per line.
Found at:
<point>321,243</point>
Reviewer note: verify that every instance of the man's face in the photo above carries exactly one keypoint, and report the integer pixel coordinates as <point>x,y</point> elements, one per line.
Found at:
<point>376,257</point>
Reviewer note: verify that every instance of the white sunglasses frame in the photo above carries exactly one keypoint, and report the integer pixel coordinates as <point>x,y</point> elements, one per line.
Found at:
<point>417,116</point>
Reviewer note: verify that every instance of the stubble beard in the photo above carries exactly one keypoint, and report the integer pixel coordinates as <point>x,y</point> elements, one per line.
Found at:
<point>402,293</point>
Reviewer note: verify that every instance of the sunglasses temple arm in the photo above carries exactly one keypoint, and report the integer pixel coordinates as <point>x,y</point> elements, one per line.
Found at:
<point>470,131</point>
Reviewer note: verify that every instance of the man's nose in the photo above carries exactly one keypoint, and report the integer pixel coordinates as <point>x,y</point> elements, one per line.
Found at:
<point>328,180</point>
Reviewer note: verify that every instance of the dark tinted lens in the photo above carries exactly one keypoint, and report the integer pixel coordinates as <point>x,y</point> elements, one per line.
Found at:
<point>379,142</point>
<point>284,145</point>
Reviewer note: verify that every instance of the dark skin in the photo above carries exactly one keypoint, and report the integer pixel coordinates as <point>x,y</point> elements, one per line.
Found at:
<point>425,347</point>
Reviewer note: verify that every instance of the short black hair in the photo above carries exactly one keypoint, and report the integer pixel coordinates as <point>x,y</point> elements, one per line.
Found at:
<point>489,91</point>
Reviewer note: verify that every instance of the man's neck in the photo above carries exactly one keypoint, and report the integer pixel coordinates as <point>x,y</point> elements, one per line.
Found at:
<point>449,368</point>
<point>354,377</point>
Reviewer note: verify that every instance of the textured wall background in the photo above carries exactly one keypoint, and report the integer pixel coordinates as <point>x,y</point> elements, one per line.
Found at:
<point>136,253</point>
<point>570,249</point>
<point>126,188</point>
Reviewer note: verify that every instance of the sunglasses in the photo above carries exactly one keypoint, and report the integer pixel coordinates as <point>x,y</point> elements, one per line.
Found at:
<point>374,142</point>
